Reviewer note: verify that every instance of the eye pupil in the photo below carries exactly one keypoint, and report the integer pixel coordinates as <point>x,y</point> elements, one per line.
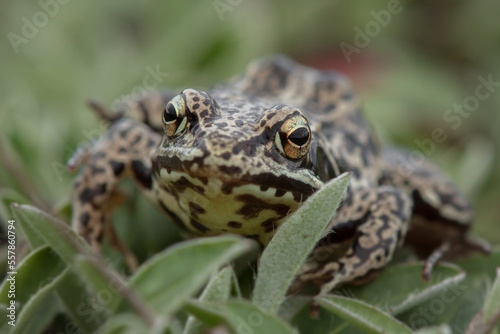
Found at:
<point>299,137</point>
<point>170,114</point>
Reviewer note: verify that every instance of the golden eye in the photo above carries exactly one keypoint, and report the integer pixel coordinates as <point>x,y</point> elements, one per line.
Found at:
<point>174,116</point>
<point>294,138</point>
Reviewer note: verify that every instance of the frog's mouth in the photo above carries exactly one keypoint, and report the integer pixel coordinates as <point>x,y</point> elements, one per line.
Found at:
<point>301,183</point>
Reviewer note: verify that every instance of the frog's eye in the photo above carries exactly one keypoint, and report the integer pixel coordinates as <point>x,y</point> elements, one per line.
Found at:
<point>174,116</point>
<point>294,138</point>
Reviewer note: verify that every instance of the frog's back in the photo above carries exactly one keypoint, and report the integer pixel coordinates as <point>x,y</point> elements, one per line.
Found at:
<point>328,101</point>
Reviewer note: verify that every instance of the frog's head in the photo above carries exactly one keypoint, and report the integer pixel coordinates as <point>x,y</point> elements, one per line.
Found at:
<point>233,164</point>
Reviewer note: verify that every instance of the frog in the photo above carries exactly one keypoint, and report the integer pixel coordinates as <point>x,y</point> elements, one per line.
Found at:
<point>242,156</point>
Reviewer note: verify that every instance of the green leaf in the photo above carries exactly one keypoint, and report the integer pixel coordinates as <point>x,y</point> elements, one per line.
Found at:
<point>87,310</point>
<point>455,305</point>
<point>34,239</point>
<point>362,315</point>
<point>107,282</point>
<point>39,309</point>
<point>218,289</point>
<point>108,289</point>
<point>407,288</point>
<point>209,314</point>
<point>169,278</point>
<point>241,316</point>
<point>492,303</point>
<point>56,233</point>
<point>38,269</point>
<point>244,318</point>
<point>480,265</point>
<point>41,229</point>
<point>37,276</point>
<point>292,306</point>
<point>292,243</point>
<point>8,196</point>
<point>489,315</point>
<point>443,329</point>
<point>123,323</point>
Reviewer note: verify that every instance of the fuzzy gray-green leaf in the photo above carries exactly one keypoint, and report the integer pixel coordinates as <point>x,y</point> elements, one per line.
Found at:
<point>170,277</point>
<point>492,303</point>
<point>217,289</point>
<point>57,234</point>
<point>38,269</point>
<point>39,309</point>
<point>364,316</point>
<point>407,289</point>
<point>294,240</point>
<point>244,317</point>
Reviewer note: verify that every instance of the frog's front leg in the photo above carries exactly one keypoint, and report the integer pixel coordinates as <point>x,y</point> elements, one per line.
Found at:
<point>123,151</point>
<point>379,220</point>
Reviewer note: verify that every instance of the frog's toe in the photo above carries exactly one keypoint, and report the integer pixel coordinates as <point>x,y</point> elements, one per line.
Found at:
<point>76,159</point>
<point>101,111</point>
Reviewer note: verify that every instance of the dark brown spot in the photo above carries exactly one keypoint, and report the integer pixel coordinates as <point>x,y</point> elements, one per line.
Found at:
<point>252,206</point>
<point>227,188</point>
<point>142,173</point>
<point>176,219</point>
<point>298,197</point>
<point>117,167</point>
<point>96,170</point>
<point>195,209</point>
<point>136,140</point>
<point>234,224</point>
<point>263,188</point>
<point>231,170</point>
<point>183,183</point>
<point>84,219</point>
<point>271,115</point>
<point>198,226</point>
<point>269,222</point>
<point>88,194</point>
<point>150,143</point>
<point>100,236</point>
<point>226,156</point>
<point>279,193</point>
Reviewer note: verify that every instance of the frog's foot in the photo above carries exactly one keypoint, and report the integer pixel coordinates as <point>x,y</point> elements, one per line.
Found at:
<point>146,108</point>
<point>101,111</point>
<point>441,214</point>
<point>123,151</point>
<point>379,219</point>
<point>453,249</point>
<point>433,259</point>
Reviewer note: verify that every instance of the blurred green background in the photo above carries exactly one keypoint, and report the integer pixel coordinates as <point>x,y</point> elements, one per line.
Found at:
<point>409,72</point>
